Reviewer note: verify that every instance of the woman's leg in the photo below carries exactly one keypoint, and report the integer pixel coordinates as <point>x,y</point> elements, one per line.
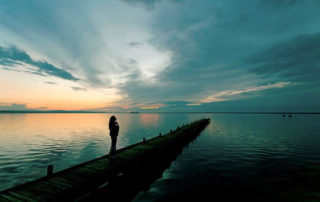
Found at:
<point>113,145</point>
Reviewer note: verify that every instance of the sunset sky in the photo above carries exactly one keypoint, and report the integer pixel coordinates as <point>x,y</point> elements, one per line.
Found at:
<point>160,55</point>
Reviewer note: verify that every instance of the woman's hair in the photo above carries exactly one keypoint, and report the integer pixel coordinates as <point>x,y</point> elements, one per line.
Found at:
<point>113,118</point>
<point>112,121</point>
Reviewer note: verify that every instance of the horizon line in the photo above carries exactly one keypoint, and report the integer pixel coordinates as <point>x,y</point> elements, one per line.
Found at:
<point>152,112</point>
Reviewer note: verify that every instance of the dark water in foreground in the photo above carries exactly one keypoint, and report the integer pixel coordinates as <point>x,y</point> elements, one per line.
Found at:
<point>258,157</point>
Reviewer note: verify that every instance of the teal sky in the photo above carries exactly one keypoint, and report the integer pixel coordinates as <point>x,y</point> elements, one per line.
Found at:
<point>160,55</point>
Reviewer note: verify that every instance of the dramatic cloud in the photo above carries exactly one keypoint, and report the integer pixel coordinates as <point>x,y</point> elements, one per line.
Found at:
<point>210,40</point>
<point>176,55</point>
<point>295,60</point>
<point>12,57</point>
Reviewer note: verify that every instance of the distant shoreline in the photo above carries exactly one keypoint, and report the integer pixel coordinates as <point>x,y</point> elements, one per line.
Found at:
<point>99,112</point>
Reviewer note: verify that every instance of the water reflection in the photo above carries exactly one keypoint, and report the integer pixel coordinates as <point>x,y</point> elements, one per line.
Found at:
<point>148,120</point>
<point>242,154</point>
<point>30,142</point>
<point>250,157</point>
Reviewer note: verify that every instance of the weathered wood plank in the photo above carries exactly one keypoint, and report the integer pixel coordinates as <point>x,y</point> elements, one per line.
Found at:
<point>8,196</point>
<point>61,182</point>
<point>3,199</point>
<point>100,167</point>
<point>162,140</point>
<point>129,154</point>
<point>25,196</point>
<point>145,147</point>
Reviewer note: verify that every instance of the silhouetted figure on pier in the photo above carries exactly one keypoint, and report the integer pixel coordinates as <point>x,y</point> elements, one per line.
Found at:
<point>114,131</point>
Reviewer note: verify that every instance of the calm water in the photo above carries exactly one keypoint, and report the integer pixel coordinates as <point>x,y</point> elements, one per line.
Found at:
<point>267,156</point>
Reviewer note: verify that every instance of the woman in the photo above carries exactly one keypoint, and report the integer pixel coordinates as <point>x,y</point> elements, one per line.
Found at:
<point>114,131</point>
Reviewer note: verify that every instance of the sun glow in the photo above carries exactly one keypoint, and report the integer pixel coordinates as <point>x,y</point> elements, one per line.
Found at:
<point>58,94</point>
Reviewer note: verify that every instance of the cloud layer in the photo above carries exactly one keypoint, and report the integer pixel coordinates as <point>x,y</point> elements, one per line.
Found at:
<point>14,58</point>
<point>169,54</point>
<point>296,59</point>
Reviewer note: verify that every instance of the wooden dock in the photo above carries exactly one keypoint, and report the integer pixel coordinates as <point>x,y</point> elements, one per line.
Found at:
<point>75,182</point>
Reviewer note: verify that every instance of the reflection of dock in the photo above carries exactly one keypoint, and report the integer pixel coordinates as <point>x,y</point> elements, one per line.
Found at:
<point>76,182</point>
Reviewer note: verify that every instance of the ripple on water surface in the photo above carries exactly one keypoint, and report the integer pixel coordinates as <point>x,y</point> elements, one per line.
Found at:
<point>236,155</point>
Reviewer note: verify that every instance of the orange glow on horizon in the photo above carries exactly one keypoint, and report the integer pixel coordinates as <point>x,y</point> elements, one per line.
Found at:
<point>34,92</point>
<point>156,106</point>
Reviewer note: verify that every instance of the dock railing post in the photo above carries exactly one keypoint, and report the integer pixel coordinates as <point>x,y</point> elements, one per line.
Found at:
<point>49,170</point>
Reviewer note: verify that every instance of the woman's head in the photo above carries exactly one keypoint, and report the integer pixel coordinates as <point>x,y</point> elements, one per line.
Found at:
<point>113,119</point>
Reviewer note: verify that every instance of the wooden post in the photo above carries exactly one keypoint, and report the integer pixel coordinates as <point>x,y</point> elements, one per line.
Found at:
<point>144,140</point>
<point>50,170</point>
<point>170,130</point>
<point>160,134</point>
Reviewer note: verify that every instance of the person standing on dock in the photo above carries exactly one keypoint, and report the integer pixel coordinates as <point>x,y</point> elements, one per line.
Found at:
<point>114,131</point>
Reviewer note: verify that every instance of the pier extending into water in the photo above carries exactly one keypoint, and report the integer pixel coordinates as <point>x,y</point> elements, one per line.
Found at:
<point>76,182</point>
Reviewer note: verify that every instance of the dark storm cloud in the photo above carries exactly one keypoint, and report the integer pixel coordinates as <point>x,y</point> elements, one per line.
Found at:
<point>210,39</point>
<point>200,61</point>
<point>12,56</point>
<point>296,59</point>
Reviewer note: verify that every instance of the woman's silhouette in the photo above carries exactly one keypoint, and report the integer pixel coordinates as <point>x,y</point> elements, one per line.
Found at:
<point>114,131</point>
